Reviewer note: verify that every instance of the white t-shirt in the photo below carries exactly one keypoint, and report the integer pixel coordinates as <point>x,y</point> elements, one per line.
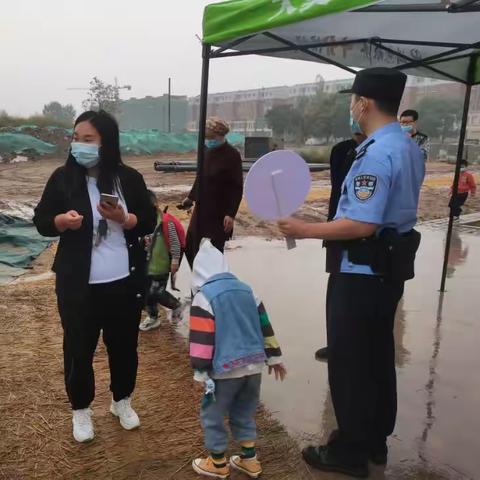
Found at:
<point>109,261</point>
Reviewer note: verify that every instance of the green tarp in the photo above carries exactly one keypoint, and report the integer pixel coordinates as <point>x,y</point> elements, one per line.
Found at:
<point>20,143</point>
<point>133,142</point>
<point>20,244</point>
<point>150,142</point>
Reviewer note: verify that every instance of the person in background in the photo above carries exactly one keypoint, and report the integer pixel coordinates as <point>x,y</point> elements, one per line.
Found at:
<point>99,264</point>
<point>231,339</point>
<point>466,185</point>
<point>341,160</point>
<point>408,121</point>
<point>165,250</point>
<point>222,190</point>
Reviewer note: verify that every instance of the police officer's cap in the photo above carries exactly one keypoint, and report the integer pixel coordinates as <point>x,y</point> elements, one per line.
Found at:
<point>379,84</point>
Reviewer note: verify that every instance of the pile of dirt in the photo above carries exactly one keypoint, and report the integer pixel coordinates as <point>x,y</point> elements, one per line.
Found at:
<point>36,440</point>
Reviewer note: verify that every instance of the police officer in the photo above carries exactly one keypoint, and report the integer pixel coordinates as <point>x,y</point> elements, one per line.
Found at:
<point>373,233</point>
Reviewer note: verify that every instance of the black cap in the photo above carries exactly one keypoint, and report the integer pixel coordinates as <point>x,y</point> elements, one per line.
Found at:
<point>379,84</point>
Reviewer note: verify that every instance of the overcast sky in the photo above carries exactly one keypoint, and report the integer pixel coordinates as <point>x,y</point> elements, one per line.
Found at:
<point>51,45</point>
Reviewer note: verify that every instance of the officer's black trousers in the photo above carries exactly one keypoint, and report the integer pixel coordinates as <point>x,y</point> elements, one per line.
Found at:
<point>113,309</point>
<point>361,360</point>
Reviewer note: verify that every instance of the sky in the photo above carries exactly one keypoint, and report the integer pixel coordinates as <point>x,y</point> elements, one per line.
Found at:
<point>49,46</point>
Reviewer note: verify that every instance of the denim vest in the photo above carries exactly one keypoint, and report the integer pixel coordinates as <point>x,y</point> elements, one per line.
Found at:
<point>238,334</point>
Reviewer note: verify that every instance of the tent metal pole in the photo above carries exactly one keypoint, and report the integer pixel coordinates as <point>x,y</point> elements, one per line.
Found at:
<point>444,56</point>
<point>202,120</point>
<point>422,65</point>
<point>461,142</point>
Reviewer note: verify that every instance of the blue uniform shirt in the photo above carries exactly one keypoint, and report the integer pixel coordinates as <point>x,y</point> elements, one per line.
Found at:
<point>383,185</point>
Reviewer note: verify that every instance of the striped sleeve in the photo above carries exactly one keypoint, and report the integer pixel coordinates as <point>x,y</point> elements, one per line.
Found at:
<point>202,333</point>
<point>175,247</point>
<point>272,348</point>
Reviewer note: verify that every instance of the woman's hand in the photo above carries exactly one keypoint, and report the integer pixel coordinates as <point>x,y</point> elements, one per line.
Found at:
<point>228,223</point>
<point>71,220</point>
<point>280,371</point>
<point>116,214</point>
<point>186,204</point>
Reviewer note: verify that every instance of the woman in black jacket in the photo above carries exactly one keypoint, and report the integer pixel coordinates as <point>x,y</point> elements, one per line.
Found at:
<point>99,264</point>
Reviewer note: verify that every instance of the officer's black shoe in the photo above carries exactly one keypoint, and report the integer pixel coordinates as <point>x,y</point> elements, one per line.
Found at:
<point>324,459</point>
<point>379,454</point>
<point>322,354</point>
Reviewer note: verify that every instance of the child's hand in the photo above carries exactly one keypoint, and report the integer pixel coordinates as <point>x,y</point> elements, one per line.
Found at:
<point>174,267</point>
<point>280,371</point>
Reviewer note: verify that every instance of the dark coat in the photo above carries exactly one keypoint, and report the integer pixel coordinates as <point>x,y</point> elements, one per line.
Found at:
<point>222,191</point>
<point>341,160</point>
<point>73,258</point>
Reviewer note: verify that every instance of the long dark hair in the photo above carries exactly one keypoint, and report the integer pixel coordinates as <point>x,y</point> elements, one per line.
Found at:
<point>110,157</point>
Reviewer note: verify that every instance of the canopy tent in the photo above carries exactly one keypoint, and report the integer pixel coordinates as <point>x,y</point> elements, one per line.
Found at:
<point>429,38</point>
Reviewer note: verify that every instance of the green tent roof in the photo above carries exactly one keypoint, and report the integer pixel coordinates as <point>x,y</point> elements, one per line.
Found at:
<point>443,34</point>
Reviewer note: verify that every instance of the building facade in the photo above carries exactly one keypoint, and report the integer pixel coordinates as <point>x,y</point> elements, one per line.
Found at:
<point>245,109</point>
<point>152,113</point>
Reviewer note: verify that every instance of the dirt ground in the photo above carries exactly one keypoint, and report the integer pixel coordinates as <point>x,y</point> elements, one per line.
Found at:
<point>23,184</point>
<point>35,430</point>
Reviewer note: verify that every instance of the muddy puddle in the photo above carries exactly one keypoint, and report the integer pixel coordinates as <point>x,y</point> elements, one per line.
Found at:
<point>437,351</point>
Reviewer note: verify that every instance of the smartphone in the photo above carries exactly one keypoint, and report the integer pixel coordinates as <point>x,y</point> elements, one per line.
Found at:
<point>111,200</point>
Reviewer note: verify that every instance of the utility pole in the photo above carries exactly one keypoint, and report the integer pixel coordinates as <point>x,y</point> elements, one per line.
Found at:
<point>169,105</point>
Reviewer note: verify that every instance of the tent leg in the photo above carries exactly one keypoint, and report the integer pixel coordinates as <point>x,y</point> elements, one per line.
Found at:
<point>202,120</point>
<point>461,142</point>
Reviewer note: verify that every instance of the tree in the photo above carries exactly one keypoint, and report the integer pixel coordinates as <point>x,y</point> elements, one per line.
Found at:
<point>321,116</point>
<point>102,96</point>
<point>59,113</point>
<point>281,119</point>
<point>439,116</point>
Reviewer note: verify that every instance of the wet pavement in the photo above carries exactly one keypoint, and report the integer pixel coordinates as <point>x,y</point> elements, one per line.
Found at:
<point>438,360</point>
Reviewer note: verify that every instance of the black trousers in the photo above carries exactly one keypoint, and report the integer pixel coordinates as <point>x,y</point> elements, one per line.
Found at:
<point>361,360</point>
<point>456,203</point>
<point>193,245</point>
<point>113,309</point>
<point>157,293</point>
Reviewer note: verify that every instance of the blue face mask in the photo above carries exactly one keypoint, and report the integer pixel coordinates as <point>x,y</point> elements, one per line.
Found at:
<point>85,154</point>
<point>213,143</point>
<point>354,126</point>
<point>407,128</point>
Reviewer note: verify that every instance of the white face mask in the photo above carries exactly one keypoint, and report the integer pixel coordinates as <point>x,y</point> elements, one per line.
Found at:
<point>86,154</point>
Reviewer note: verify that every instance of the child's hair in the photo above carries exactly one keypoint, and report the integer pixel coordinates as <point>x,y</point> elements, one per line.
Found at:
<point>464,163</point>
<point>153,197</point>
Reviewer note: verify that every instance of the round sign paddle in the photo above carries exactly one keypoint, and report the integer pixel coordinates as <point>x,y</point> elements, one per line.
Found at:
<point>277,185</point>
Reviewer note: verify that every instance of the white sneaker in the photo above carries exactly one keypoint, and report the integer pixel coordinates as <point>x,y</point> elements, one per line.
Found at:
<point>82,425</point>
<point>149,324</point>
<point>123,410</point>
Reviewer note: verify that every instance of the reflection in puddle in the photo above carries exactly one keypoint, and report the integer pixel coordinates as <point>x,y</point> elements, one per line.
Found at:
<point>437,357</point>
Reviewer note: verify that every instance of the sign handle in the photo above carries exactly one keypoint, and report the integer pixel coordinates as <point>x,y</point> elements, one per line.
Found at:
<point>291,243</point>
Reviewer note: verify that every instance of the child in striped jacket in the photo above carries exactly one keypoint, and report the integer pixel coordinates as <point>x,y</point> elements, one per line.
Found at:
<point>231,339</point>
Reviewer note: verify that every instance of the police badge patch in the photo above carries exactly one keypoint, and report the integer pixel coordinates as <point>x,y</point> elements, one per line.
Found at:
<point>364,186</point>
